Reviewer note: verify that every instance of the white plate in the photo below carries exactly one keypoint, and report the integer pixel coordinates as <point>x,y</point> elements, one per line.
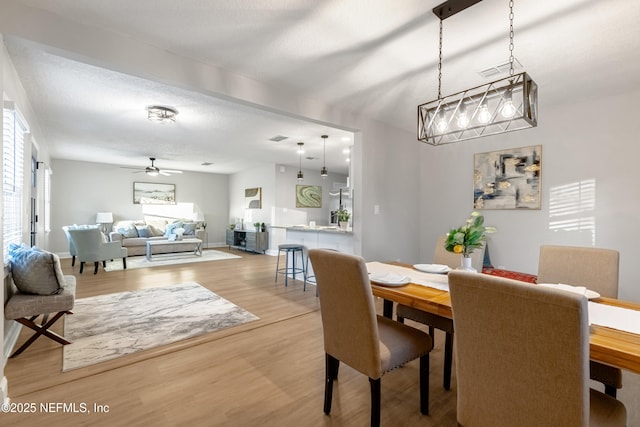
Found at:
<point>433,268</point>
<point>389,279</point>
<point>575,289</point>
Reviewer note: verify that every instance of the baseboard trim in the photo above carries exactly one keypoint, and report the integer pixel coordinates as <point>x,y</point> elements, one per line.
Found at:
<point>4,391</point>
<point>11,338</point>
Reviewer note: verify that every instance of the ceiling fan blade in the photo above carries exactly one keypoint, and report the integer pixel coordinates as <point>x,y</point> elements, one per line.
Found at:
<point>164,173</point>
<point>130,167</point>
<point>171,171</point>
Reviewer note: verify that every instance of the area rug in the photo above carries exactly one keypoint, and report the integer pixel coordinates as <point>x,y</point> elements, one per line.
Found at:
<point>169,259</point>
<point>105,327</point>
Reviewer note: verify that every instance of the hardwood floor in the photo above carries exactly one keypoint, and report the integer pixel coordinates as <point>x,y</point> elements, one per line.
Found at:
<point>265,373</point>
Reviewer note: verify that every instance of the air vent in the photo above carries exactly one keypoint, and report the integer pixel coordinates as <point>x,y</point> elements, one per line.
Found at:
<point>312,158</point>
<point>278,138</point>
<point>500,69</point>
<point>206,164</point>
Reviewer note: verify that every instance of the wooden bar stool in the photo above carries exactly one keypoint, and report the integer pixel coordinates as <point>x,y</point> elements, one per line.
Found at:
<point>293,249</point>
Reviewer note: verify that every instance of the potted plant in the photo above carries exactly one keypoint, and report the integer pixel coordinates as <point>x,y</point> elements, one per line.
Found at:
<point>464,240</point>
<point>343,218</point>
<point>257,226</point>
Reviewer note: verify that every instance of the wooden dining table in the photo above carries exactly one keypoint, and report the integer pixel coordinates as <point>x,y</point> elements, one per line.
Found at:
<point>610,346</point>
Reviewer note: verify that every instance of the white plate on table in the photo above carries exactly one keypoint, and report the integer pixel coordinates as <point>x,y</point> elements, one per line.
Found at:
<point>432,268</point>
<point>389,279</point>
<point>575,289</point>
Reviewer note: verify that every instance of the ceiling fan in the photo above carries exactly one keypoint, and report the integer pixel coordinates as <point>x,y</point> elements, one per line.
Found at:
<point>153,170</point>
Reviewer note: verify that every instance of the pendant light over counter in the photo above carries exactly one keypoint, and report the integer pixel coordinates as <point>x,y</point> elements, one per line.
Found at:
<point>300,151</point>
<point>323,171</point>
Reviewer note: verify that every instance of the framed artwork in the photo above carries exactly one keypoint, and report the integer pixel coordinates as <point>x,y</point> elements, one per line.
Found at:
<point>507,179</point>
<point>253,198</point>
<point>308,196</point>
<point>151,193</point>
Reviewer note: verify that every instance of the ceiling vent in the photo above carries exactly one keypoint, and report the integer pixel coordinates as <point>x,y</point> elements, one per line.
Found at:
<point>206,164</point>
<point>278,138</point>
<point>500,68</point>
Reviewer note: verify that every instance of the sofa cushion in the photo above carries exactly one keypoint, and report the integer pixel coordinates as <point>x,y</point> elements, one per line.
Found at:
<point>36,271</point>
<point>135,241</point>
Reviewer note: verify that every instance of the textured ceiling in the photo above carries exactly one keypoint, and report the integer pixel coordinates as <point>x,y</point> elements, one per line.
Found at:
<point>375,57</point>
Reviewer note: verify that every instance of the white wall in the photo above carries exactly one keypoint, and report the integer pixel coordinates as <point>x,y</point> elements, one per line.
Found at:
<point>81,189</point>
<point>263,177</point>
<point>593,140</point>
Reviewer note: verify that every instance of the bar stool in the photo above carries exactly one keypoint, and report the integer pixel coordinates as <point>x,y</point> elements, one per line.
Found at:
<point>290,248</point>
<point>309,278</point>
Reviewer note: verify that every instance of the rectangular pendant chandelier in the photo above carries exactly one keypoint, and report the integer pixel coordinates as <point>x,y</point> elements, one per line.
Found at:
<point>501,106</point>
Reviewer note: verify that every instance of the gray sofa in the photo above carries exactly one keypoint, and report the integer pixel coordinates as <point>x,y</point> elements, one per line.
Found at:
<point>134,234</point>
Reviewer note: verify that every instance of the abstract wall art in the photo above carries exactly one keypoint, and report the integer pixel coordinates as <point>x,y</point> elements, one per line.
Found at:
<point>253,198</point>
<point>508,179</point>
<point>308,196</point>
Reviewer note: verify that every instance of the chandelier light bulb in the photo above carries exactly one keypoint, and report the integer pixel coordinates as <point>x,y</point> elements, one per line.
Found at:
<point>484,116</point>
<point>463,119</point>
<point>441,122</point>
<point>508,109</point>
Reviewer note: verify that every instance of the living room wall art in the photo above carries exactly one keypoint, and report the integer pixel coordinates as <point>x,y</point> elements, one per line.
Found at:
<point>507,179</point>
<point>151,193</point>
<point>253,198</point>
<point>308,196</point>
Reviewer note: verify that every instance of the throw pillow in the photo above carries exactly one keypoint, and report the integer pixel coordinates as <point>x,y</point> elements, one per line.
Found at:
<point>171,228</point>
<point>143,231</point>
<point>189,228</point>
<point>158,225</point>
<point>36,271</point>
<point>155,231</point>
<point>128,231</point>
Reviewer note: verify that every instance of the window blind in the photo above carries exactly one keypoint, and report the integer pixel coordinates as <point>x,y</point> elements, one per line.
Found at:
<point>13,131</point>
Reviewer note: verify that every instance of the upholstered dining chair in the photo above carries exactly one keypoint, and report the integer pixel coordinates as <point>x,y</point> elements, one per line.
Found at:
<point>594,268</point>
<point>522,356</point>
<point>355,335</point>
<point>441,256</point>
<point>91,247</point>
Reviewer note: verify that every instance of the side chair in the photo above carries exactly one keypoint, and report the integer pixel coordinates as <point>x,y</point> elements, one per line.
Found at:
<point>355,335</point>
<point>594,268</point>
<point>522,356</point>
<point>91,247</point>
<point>441,256</point>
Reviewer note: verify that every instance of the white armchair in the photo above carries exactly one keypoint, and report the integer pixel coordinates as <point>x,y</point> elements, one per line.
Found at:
<point>91,247</point>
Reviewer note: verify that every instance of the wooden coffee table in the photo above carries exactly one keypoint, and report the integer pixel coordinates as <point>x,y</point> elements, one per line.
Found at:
<point>184,245</point>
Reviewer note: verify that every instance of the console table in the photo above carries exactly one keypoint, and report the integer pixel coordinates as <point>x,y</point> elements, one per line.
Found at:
<point>250,241</point>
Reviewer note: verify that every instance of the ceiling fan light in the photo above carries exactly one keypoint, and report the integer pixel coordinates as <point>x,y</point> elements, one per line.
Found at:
<point>152,173</point>
<point>161,114</point>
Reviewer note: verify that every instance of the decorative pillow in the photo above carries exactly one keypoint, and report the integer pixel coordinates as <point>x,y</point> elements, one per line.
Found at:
<point>189,228</point>
<point>128,231</point>
<point>171,228</point>
<point>143,231</point>
<point>158,224</point>
<point>36,271</point>
<point>155,231</point>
